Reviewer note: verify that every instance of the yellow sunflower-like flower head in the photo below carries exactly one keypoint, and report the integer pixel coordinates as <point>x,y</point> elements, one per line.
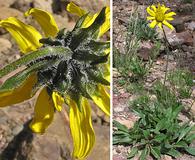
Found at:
<point>70,67</point>
<point>159,16</point>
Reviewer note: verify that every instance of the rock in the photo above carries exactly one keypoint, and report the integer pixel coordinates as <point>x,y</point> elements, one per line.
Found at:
<point>22,5</point>
<point>185,9</point>
<point>192,110</point>
<point>59,6</point>
<point>17,129</point>
<point>115,73</point>
<point>170,57</point>
<point>63,22</point>
<point>166,157</point>
<point>55,141</point>
<point>5,45</point>
<point>126,122</point>
<point>118,108</point>
<point>6,3</point>
<point>118,157</point>
<point>191,25</point>
<point>145,50</point>
<point>177,39</point>
<point>3,120</point>
<point>102,145</point>
<point>186,37</point>
<point>43,4</point>
<point>178,23</point>
<point>10,12</point>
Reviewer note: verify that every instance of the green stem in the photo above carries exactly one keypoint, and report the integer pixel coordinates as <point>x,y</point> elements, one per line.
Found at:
<point>167,44</point>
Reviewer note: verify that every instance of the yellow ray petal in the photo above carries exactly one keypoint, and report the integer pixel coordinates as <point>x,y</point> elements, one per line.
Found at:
<point>169,18</point>
<point>26,36</point>
<point>107,72</point>
<point>164,9</point>
<point>58,101</point>
<point>160,25</point>
<point>153,23</point>
<point>19,94</point>
<point>170,14</point>
<point>45,20</point>
<point>153,7</point>
<point>150,18</point>
<point>81,128</point>
<point>151,12</point>
<point>168,24</point>
<point>44,112</point>
<point>102,99</point>
<point>72,8</point>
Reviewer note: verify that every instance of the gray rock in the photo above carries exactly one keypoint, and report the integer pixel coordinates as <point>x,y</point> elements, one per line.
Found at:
<point>10,12</point>
<point>17,129</point>
<point>43,4</point>
<point>6,3</point>
<point>191,25</point>
<point>5,44</point>
<point>177,39</point>
<point>178,23</point>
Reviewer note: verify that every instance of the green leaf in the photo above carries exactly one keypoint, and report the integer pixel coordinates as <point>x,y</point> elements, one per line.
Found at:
<point>190,150</point>
<point>180,144</point>
<point>133,152</point>
<point>144,154</point>
<point>161,125</point>
<point>160,137</point>
<point>121,132</point>
<point>156,152</point>
<point>122,140</point>
<point>168,145</point>
<point>120,126</point>
<point>190,137</point>
<point>146,133</point>
<point>184,132</point>
<point>174,153</point>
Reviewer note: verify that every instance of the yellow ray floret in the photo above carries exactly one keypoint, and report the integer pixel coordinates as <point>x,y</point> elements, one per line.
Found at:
<point>45,20</point>
<point>58,101</point>
<point>159,16</point>
<point>102,99</point>
<point>18,94</point>
<point>25,35</point>
<point>44,112</point>
<point>81,128</point>
<point>74,9</point>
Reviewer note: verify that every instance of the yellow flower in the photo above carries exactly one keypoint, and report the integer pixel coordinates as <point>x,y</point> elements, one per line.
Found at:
<point>159,16</point>
<point>61,72</point>
<point>74,9</point>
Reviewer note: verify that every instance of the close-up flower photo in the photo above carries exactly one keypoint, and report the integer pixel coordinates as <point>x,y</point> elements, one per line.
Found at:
<point>97,80</point>
<point>57,72</point>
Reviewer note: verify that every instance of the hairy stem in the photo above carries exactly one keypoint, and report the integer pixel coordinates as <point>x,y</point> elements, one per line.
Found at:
<point>167,44</point>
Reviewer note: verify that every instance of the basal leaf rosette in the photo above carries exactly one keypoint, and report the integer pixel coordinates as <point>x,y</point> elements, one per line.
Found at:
<point>70,67</point>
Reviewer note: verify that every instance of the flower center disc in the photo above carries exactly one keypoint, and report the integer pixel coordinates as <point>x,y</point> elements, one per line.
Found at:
<point>159,16</point>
